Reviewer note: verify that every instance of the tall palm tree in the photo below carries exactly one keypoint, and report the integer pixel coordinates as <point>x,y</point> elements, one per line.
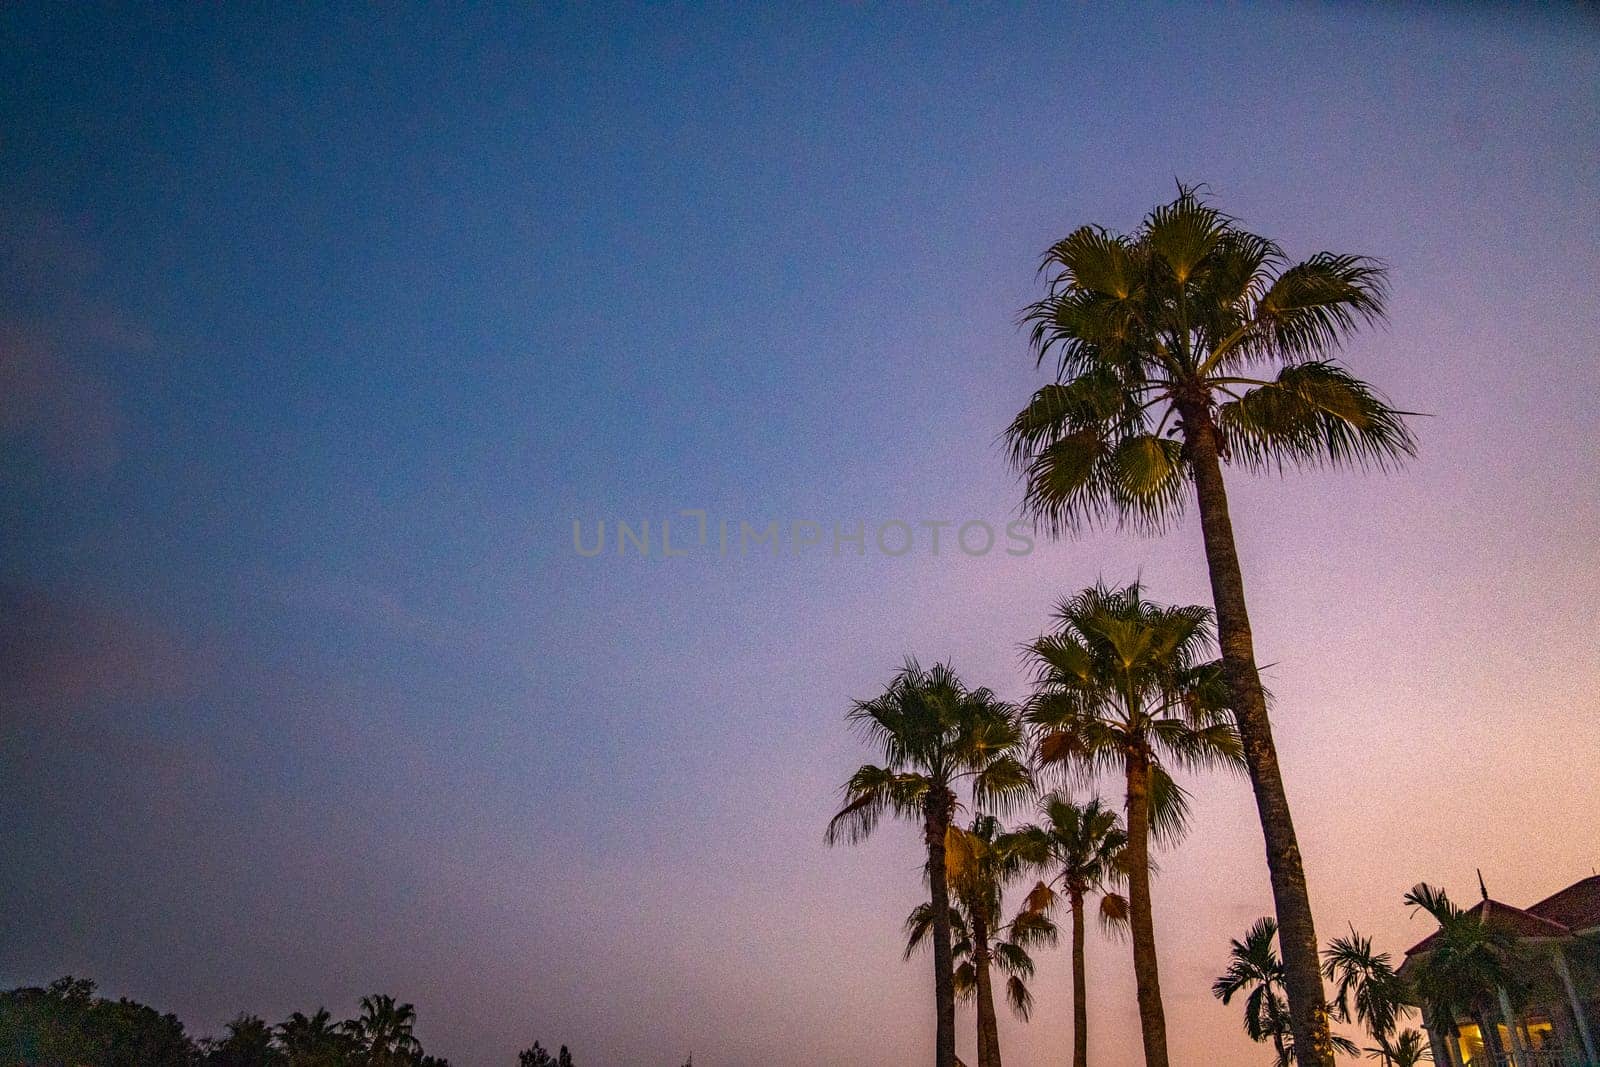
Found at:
<point>1079,848</point>
<point>935,734</point>
<point>1122,687</point>
<point>1366,988</point>
<point>1253,965</point>
<point>1468,969</point>
<point>1184,346</point>
<point>383,1032</point>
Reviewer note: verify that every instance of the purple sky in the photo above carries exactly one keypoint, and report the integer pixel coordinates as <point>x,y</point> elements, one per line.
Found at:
<point>315,337</point>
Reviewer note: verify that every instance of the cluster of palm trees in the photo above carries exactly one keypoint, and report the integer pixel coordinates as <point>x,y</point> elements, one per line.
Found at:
<point>1470,971</point>
<point>1185,347</point>
<point>1367,991</point>
<point>1123,687</point>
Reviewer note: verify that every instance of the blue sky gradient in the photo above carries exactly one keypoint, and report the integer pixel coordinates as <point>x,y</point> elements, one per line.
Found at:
<point>319,331</point>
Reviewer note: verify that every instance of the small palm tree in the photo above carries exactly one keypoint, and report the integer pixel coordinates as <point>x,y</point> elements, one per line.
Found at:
<point>1253,965</point>
<point>935,734</point>
<point>1185,346</point>
<point>982,860</point>
<point>1467,970</point>
<point>1366,988</point>
<point>383,1032</point>
<point>1122,686</point>
<point>1079,847</point>
<point>1011,950</point>
<point>1404,1049</point>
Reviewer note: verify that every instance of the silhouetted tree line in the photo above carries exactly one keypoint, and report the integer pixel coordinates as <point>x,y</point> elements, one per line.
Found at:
<point>66,1025</point>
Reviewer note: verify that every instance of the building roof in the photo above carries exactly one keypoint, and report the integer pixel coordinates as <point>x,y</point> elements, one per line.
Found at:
<point>1576,907</point>
<point>1515,921</point>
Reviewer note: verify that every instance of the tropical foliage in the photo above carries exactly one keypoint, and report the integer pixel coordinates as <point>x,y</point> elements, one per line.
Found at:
<point>1366,989</point>
<point>1406,1048</point>
<point>65,1025</point>
<point>980,862</point>
<point>538,1057</point>
<point>1467,968</point>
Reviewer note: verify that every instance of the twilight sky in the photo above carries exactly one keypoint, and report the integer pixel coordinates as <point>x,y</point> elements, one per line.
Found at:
<point>316,335</point>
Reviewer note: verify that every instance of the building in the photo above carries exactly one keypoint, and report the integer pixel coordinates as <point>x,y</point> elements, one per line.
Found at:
<point>1549,1019</point>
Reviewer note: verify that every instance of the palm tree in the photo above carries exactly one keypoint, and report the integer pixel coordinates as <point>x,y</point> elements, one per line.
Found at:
<point>1253,965</point>
<point>1121,687</point>
<point>1182,347</point>
<point>1366,988</point>
<point>314,1040</point>
<point>981,861</point>
<point>1470,969</point>
<point>1407,1048</point>
<point>934,733</point>
<point>1080,848</point>
<point>1010,951</point>
<point>383,1032</point>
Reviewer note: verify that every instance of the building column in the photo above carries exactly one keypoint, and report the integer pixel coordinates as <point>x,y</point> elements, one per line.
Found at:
<point>1577,1005</point>
<point>1517,1047</point>
<point>1441,1049</point>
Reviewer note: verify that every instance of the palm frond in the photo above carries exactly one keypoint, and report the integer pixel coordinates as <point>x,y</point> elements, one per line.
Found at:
<point>872,792</point>
<point>1314,414</point>
<point>1018,997</point>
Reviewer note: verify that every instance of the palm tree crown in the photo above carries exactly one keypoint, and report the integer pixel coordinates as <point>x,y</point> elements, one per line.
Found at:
<point>1253,965</point>
<point>1121,675</point>
<point>933,732</point>
<point>313,1040</point>
<point>1408,1048</point>
<point>383,1031</point>
<point>1366,988</point>
<point>1013,950</point>
<point>1079,848</point>
<point>982,861</point>
<point>1191,318</point>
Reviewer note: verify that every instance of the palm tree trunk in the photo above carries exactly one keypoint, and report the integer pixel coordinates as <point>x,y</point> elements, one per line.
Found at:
<point>937,823</point>
<point>1276,1022</point>
<point>1491,1037</point>
<point>988,1024</point>
<point>1297,935</point>
<point>1080,1006</point>
<point>1147,979</point>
